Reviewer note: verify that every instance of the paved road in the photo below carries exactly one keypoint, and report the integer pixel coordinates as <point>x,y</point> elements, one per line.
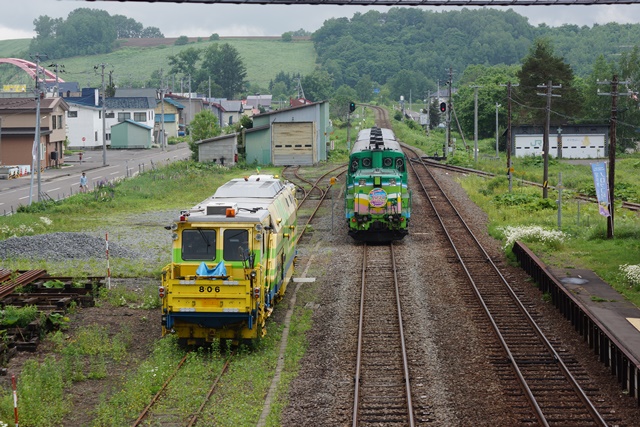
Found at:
<point>60,183</point>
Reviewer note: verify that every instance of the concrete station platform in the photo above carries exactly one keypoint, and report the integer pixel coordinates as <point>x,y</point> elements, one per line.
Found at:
<point>620,317</point>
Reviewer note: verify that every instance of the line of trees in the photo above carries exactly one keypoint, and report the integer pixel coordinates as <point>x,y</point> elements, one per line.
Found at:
<point>85,32</point>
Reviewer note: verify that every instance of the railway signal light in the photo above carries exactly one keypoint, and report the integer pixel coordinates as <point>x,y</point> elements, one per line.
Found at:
<point>352,106</point>
<point>443,106</point>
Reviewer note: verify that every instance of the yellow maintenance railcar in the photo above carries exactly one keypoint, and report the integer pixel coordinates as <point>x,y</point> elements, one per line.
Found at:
<point>232,257</point>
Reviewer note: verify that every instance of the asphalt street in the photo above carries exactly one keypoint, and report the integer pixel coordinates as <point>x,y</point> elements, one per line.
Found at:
<point>98,166</point>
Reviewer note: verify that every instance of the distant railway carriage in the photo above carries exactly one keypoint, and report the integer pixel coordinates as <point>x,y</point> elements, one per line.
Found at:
<point>377,199</point>
<point>232,257</point>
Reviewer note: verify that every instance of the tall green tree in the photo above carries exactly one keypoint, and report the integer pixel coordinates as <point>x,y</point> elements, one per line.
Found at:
<point>223,64</point>
<point>540,67</point>
<point>84,32</point>
<point>185,62</point>
<point>491,87</point>
<point>317,86</point>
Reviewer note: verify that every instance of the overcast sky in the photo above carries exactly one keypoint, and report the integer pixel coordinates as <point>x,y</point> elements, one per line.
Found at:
<point>202,20</point>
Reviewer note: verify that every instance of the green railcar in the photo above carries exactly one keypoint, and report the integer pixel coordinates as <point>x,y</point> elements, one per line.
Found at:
<point>377,197</point>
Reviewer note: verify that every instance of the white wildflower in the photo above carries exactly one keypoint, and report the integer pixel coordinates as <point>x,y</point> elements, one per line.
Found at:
<point>631,273</point>
<point>46,221</point>
<point>532,233</point>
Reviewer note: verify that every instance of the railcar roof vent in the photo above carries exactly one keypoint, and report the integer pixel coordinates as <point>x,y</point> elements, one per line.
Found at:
<point>375,138</point>
<point>220,208</point>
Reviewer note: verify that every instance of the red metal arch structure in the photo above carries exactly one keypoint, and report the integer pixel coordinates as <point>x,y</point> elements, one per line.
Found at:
<point>30,68</point>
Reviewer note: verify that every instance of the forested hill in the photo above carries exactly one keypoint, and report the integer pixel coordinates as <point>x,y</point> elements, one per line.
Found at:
<point>428,43</point>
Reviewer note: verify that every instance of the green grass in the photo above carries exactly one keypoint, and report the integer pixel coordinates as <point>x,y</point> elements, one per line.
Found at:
<point>150,191</point>
<point>585,245</point>
<point>133,66</point>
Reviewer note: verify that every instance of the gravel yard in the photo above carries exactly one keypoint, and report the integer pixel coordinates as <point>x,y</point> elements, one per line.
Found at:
<point>456,384</point>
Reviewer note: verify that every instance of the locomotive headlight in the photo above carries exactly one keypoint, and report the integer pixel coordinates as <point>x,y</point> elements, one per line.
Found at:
<point>392,181</point>
<point>174,236</point>
<point>174,226</point>
<point>258,227</point>
<point>258,237</point>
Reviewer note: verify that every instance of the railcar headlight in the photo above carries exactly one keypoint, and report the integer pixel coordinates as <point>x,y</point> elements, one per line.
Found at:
<point>392,181</point>
<point>362,182</point>
<point>258,227</point>
<point>258,237</point>
<point>174,236</point>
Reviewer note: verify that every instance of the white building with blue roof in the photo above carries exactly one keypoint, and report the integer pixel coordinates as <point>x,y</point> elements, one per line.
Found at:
<point>84,118</point>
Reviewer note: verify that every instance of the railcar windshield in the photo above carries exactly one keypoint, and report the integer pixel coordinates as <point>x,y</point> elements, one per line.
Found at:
<point>198,244</point>
<point>236,245</point>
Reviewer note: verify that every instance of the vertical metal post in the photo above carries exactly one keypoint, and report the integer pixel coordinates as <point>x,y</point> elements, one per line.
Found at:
<point>509,146</point>
<point>612,152</point>
<point>545,146</point>
<point>497,131</point>
<point>475,124</point>
<point>560,187</point>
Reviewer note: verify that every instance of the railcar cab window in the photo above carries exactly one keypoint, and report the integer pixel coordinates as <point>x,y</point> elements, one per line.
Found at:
<point>236,245</point>
<point>199,244</point>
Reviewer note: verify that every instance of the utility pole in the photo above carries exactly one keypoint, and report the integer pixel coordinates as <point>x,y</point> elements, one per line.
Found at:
<point>162,90</point>
<point>509,148</point>
<point>37,150</point>
<point>509,142</point>
<point>612,144</point>
<point>497,131</point>
<point>448,142</point>
<point>545,138</point>
<point>475,123</point>
<point>60,70</point>
<point>104,122</point>
<point>190,110</point>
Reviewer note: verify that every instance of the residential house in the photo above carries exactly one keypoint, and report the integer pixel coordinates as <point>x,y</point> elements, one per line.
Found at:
<point>228,112</point>
<point>171,110</point>
<point>85,117</point>
<point>18,131</point>
<point>261,103</point>
<point>192,105</point>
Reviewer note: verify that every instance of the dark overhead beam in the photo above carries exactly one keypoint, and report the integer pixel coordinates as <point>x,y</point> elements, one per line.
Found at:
<point>398,2</point>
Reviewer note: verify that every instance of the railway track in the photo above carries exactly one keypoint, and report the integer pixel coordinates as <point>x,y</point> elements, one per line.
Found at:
<point>149,417</point>
<point>307,206</point>
<point>558,392</point>
<point>382,393</point>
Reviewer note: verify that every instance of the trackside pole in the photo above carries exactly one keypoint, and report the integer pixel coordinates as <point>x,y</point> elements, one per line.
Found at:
<point>108,269</point>
<point>15,399</point>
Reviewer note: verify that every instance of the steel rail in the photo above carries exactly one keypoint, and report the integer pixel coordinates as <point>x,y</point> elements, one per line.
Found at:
<point>155,398</point>
<point>361,325</point>
<point>194,417</point>
<point>565,370</point>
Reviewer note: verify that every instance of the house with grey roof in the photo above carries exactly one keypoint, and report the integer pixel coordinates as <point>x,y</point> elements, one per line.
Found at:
<point>257,101</point>
<point>227,112</point>
<point>84,118</point>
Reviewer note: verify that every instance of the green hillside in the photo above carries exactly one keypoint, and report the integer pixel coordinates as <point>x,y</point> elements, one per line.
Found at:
<point>132,66</point>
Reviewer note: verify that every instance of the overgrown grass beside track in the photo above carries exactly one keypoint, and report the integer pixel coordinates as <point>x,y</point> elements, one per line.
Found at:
<point>240,401</point>
<point>523,213</point>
